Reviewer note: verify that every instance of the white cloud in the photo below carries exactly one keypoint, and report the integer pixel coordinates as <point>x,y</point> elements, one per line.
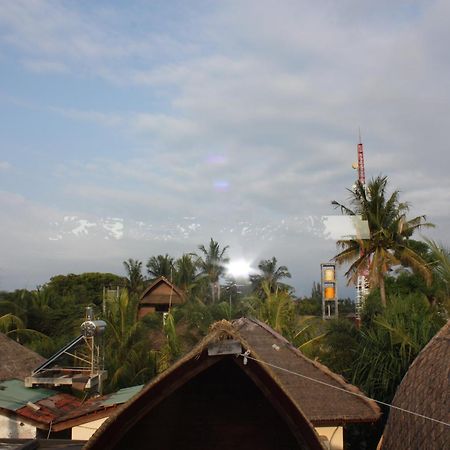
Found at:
<point>253,116</point>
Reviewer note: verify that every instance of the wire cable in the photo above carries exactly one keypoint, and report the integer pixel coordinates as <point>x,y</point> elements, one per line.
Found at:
<point>244,355</point>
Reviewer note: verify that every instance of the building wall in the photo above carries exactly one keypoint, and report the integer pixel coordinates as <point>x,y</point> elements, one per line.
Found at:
<point>334,435</point>
<point>86,430</point>
<point>13,429</point>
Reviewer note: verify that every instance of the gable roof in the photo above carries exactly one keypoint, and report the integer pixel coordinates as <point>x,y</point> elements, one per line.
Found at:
<point>17,361</point>
<point>155,284</point>
<point>424,390</point>
<point>307,401</point>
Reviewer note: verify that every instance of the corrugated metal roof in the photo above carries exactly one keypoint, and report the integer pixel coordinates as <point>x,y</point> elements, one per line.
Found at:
<point>51,409</point>
<point>121,396</point>
<point>14,395</point>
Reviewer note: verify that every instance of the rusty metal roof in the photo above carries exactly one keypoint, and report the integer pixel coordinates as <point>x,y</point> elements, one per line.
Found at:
<point>45,406</point>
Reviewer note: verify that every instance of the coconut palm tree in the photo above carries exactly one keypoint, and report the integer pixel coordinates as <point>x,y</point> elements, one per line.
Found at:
<point>212,265</point>
<point>135,280</point>
<point>129,359</point>
<point>277,309</point>
<point>161,265</point>
<point>186,272</point>
<point>390,231</point>
<point>271,274</point>
<point>440,257</point>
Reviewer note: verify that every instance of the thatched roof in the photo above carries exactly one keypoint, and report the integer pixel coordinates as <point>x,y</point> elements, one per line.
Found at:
<point>324,406</point>
<point>424,390</point>
<point>17,361</point>
<point>303,402</point>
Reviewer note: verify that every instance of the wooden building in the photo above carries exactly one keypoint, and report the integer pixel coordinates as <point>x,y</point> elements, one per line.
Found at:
<point>425,390</point>
<point>224,395</point>
<point>159,297</point>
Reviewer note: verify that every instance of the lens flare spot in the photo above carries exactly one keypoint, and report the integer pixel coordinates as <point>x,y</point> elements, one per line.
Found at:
<point>221,185</point>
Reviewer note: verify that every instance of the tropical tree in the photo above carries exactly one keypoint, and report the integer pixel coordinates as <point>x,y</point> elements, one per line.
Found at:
<point>440,257</point>
<point>160,266</point>
<point>390,231</point>
<point>129,359</point>
<point>389,345</point>
<point>186,271</point>
<point>10,322</point>
<point>135,280</point>
<point>212,265</point>
<point>277,309</point>
<point>271,275</point>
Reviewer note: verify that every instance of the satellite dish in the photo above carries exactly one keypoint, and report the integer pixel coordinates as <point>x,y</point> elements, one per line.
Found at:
<point>355,165</point>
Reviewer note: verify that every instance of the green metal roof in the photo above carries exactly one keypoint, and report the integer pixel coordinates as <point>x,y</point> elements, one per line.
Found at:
<point>122,395</point>
<point>14,395</point>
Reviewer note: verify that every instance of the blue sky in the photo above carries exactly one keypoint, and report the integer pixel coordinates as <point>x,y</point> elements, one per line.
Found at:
<point>136,128</point>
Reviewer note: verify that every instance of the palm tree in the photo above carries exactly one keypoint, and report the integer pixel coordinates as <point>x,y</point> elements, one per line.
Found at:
<point>212,265</point>
<point>271,274</point>
<point>276,308</point>
<point>10,322</point>
<point>129,359</point>
<point>185,273</point>
<point>440,257</point>
<point>161,265</point>
<point>135,280</point>
<point>390,230</point>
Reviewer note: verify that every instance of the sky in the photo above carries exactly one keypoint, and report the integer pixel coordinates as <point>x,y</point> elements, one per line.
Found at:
<point>131,129</point>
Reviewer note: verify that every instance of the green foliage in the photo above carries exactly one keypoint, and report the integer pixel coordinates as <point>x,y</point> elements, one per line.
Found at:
<point>309,307</point>
<point>277,309</point>
<point>339,346</point>
<point>160,266</point>
<point>390,232</point>
<point>135,279</point>
<point>129,359</point>
<point>186,273</point>
<point>271,275</point>
<point>212,266</point>
<point>86,288</point>
<point>388,347</point>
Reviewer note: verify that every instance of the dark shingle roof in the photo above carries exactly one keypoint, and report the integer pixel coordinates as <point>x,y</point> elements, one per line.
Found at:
<point>424,390</point>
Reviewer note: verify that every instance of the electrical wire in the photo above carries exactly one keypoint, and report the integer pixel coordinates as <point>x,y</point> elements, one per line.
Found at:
<point>246,356</point>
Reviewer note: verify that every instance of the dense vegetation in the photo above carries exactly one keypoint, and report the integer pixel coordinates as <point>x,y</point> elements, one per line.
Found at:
<point>408,303</point>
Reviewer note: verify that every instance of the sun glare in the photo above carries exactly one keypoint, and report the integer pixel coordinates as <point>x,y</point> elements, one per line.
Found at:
<point>239,268</point>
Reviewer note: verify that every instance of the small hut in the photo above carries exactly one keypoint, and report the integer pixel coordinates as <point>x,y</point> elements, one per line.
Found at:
<point>224,395</point>
<point>159,297</point>
<point>424,390</point>
<point>16,361</point>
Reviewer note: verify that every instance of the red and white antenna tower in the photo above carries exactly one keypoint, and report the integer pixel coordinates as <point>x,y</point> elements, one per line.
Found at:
<point>362,283</point>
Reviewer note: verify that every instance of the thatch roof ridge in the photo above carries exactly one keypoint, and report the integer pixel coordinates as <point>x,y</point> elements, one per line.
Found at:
<point>156,282</point>
<point>17,360</point>
<point>338,378</point>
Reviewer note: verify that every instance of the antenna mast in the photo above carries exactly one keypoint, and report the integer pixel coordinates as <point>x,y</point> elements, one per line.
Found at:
<point>362,283</point>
